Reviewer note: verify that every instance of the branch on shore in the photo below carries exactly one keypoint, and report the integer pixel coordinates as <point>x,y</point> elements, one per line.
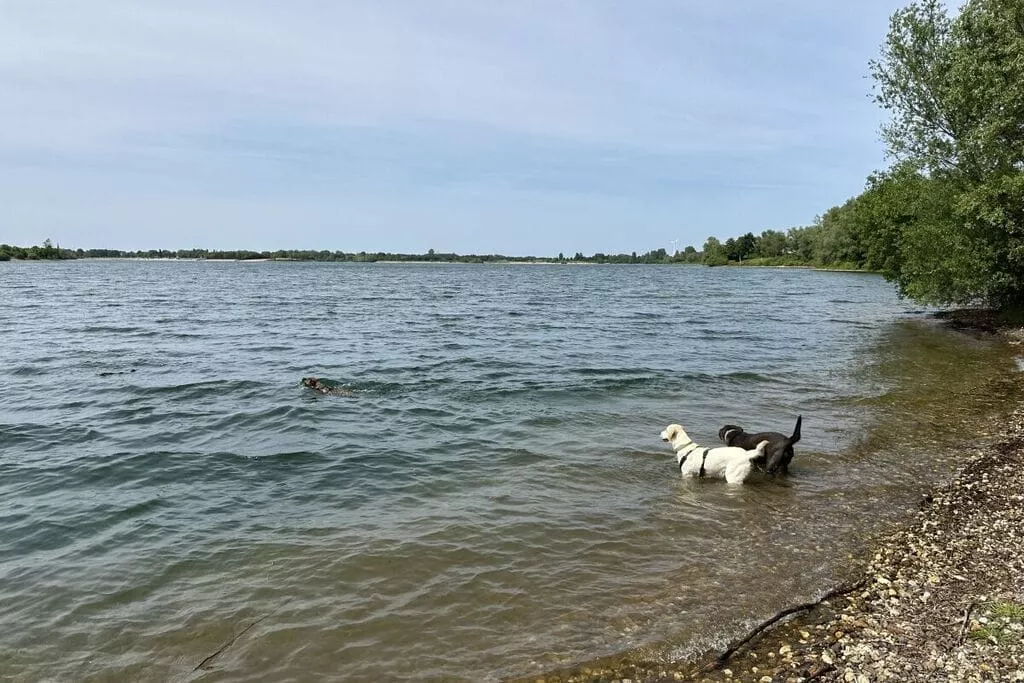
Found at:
<point>836,592</point>
<point>967,621</point>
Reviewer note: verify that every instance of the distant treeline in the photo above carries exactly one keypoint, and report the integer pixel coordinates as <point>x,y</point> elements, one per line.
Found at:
<point>50,252</point>
<point>823,244</point>
<point>811,246</point>
<point>47,251</point>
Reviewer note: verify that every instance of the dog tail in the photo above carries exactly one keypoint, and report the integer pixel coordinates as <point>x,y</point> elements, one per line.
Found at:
<point>758,449</point>
<point>796,431</point>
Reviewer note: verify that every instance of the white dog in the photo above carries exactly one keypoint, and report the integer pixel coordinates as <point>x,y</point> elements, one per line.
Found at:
<point>725,462</point>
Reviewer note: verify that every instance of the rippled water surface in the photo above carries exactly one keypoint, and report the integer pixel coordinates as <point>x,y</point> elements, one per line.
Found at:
<point>491,500</point>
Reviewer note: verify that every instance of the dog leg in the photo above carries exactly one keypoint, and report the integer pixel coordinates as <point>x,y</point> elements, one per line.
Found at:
<point>738,473</point>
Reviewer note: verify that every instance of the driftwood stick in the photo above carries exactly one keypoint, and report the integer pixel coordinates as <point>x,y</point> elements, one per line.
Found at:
<point>204,664</point>
<point>967,620</point>
<point>834,593</point>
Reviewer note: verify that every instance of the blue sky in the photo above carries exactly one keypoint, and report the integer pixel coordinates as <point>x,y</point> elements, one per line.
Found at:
<point>524,127</point>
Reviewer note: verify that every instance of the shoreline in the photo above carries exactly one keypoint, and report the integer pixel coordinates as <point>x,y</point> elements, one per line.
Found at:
<point>567,262</point>
<point>742,264</point>
<point>939,598</point>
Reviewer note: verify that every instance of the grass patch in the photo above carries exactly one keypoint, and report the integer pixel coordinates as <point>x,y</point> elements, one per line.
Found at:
<point>1008,610</point>
<point>998,623</point>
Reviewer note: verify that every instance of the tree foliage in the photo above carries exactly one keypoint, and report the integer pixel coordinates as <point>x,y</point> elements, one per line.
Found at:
<point>715,253</point>
<point>947,221</point>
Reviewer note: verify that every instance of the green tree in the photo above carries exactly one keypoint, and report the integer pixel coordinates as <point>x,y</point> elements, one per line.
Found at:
<point>731,252</point>
<point>771,244</point>
<point>803,242</point>
<point>955,89</point>
<point>746,246</point>
<point>715,253</point>
<point>838,242</point>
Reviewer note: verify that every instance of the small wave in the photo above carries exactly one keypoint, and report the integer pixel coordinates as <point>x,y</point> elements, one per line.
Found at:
<point>629,382</point>
<point>194,389</point>
<point>142,508</point>
<point>541,421</point>
<point>713,334</point>
<point>281,414</point>
<point>110,329</point>
<point>602,372</point>
<point>27,370</point>
<point>41,437</point>
<point>737,377</point>
<point>422,411</point>
<point>861,324</point>
<point>748,377</point>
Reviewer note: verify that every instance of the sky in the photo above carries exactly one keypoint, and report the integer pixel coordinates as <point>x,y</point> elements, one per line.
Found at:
<point>527,127</point>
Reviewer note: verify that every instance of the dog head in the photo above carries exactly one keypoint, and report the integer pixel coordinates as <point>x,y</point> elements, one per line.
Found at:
<point>729,432</point>
<point>674,434</point>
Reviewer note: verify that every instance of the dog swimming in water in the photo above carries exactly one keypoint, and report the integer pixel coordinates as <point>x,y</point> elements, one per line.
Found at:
<point>326,386</point>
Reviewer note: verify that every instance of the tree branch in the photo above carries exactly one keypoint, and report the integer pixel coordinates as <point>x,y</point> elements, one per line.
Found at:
<point>732,649</point>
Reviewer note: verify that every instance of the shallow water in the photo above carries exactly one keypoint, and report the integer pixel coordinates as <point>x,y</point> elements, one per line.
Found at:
<point>492,500</point>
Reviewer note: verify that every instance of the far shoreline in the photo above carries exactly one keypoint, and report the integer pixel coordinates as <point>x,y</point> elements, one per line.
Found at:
<point>439,262</point>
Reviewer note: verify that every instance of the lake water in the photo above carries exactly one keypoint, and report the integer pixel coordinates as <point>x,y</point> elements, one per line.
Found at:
<point>492,500</point>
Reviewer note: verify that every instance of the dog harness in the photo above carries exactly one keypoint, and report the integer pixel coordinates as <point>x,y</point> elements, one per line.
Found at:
<point>703,459</point>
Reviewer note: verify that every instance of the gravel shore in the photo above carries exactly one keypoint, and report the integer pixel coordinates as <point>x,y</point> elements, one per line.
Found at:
<point>940,599</point>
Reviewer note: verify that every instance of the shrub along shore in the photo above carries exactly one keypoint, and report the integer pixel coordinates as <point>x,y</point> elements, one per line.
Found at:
<point>939,599</point>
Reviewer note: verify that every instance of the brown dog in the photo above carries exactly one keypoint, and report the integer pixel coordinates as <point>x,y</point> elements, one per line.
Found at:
<point>325,386</point>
